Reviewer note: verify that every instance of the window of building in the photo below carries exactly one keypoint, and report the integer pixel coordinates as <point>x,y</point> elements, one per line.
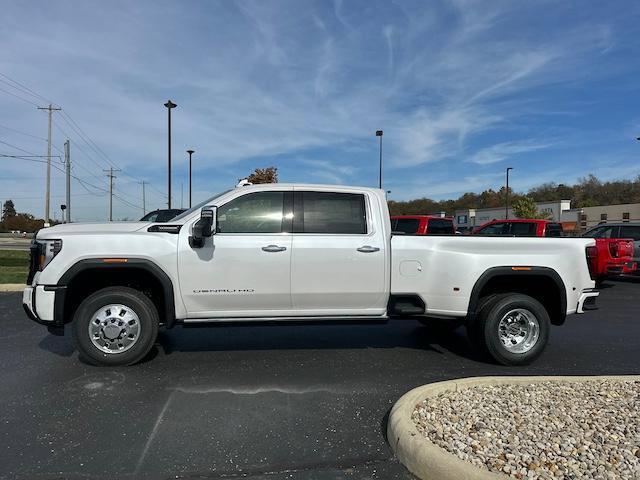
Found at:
<point>583,218</point>
<point>603,216</point>
<point>625,216</point>
<point>462,219</point>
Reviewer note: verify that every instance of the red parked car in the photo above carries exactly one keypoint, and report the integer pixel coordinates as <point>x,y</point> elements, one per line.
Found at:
<point>609,257</point>
<point>520,227</point>
<point>422,225</point>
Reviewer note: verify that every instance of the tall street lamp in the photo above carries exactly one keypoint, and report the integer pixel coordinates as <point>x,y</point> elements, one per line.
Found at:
<point>190,152</point>
<point>506,206</point>
<point>169,106</point>
<point>379,134</point>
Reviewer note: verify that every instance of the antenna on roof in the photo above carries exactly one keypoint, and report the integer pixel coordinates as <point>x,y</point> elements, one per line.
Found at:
<point>243,183</point>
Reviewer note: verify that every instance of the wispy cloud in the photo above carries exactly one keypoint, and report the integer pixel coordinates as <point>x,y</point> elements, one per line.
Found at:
<point>502,151</point>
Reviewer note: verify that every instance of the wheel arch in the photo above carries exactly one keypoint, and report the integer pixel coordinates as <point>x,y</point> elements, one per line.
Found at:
<point>532,281</point>
<point>137,270</point>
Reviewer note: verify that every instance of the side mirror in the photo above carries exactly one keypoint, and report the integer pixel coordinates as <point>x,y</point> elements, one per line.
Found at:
<point>203,228</point>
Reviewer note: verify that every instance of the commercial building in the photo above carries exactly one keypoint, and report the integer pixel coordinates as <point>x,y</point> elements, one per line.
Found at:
<point>558,211</point>
<point>572,219</point>
<point>625,212</point>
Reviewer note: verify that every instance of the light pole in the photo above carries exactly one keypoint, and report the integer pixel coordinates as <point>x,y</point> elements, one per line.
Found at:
<point>169,106</point>
<point>379,134</point>
<point>190,152</point>
<point>506,205</point>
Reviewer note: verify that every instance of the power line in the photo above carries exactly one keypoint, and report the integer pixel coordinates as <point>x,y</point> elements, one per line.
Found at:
<point>24,88</point>
<point>19,97</point>
<point>73,125</point>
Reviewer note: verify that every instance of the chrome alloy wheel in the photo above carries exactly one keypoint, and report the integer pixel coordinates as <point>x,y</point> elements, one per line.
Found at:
<point>519,330</point>
<point>114,328</point>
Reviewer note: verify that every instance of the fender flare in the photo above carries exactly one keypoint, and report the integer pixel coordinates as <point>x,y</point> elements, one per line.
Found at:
<point>137,263</point>
<point>558,318</point>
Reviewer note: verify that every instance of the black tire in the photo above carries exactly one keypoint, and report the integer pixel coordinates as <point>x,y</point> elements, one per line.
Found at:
<point>485,335</point>
<point>146,333</point>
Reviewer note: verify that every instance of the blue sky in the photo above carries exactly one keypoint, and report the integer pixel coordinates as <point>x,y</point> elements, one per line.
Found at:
<point>462,89</point>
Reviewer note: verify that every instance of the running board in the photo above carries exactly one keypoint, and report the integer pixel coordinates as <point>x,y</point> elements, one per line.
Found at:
<point>343,320</point>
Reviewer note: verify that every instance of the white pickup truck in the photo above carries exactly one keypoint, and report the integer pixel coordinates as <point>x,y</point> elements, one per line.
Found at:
<point>295,253</point>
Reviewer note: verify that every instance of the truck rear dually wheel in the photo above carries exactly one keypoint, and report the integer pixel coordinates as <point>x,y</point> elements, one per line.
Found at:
<point>115,326</point>
<point>512,328</point>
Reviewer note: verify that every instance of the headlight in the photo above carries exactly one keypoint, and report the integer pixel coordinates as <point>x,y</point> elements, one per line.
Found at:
<point>48,250</point>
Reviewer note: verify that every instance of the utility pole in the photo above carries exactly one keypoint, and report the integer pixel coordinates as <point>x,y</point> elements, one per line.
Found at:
<point>506,203</point>
<point>47,198</point>
<point>67,164</point>
<point>111,177</point>
<point>181,194</point>
<point>144,203</point>
<point>190,152</point>
<point>379,134</point>
<point>169,106</point>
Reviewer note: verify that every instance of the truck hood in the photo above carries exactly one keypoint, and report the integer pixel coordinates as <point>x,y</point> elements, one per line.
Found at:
<point>58,231</point>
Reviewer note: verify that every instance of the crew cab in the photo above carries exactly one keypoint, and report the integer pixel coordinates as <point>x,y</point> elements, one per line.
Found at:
<point>422,225</point>
<point>295,253</point>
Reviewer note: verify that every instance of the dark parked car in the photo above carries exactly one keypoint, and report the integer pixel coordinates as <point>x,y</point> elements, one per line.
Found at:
<point>162,215</point>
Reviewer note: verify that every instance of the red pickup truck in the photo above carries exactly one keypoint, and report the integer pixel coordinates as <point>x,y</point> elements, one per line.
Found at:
<point>610,256</point>
<point>422,225</point>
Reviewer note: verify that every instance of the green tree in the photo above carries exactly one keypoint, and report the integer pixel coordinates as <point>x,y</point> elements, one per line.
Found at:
<point>8,210</point>
<point>264,175</point>
<point>525,207</point>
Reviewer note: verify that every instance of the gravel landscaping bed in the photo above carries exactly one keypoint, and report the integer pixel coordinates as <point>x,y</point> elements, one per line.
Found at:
<point>548,430</point>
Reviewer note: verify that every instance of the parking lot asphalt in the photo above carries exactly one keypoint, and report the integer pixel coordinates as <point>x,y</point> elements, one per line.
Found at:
<point>261,402</point>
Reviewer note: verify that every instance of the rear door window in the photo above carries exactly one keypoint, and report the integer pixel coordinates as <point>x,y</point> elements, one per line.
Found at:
<point>553,230</point>
<point>330,213</point>
<point>440,226</point>
<point>608,231</point>
<point>494,229</point>
<point>523,229</point>
<point>408,226</point>
<point>631,231</point>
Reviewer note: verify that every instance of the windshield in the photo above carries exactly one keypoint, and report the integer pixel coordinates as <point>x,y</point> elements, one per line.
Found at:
<point>198,206</point>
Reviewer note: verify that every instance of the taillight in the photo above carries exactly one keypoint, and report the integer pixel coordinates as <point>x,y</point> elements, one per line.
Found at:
<point>592,261</point>
<point>613,249</point>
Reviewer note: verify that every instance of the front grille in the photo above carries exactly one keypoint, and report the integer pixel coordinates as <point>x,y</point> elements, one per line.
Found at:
<point>34,260</point>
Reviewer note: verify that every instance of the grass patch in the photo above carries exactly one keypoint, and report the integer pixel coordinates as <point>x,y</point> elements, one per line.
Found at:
<point>14,266</point>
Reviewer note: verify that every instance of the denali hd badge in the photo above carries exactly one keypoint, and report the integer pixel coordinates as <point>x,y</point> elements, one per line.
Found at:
<point>225,290</point>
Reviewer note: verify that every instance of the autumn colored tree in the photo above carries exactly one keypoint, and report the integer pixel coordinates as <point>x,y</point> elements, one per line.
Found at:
<point>264,175</point>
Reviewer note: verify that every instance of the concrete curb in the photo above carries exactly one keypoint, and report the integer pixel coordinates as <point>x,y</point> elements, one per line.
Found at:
<point>426,460</point>
<point>12,287</point>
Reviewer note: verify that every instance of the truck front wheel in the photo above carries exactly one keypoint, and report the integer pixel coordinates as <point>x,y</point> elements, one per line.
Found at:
<point>115,326</point>
<point>512,328</point>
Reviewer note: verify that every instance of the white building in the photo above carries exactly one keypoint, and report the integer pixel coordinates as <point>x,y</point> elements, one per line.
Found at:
<point>625,212</point>
<point>558,211</point>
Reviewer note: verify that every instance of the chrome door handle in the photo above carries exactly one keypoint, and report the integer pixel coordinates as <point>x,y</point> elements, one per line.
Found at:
<point>274,248</point>
<point>368,249</point>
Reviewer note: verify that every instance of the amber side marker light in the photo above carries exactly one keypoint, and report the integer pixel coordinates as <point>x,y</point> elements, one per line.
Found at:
<point>518,269</point>
<point>115,260</point>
